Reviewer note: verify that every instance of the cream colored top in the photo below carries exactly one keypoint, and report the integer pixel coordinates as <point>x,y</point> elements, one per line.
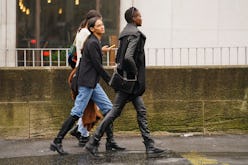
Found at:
<point>80,39</point>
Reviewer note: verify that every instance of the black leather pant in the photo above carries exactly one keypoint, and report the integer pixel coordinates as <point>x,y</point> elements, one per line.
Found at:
<point>120,101</point>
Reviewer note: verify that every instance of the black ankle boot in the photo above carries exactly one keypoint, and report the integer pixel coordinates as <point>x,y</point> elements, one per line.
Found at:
<point>82,141</point>
<point>74,132</point>
<point>111,145</point>
<point>92,146</point>
<point>150,149</point>
<point>56,145</point>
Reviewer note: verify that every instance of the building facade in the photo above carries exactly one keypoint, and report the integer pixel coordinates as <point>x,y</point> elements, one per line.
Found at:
<point>7,32</point>
<point>166,23</point>
<point>193,23</point>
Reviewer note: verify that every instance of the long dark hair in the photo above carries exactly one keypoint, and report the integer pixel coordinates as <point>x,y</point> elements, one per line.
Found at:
<point>89,15</point>
<point>92,22</point>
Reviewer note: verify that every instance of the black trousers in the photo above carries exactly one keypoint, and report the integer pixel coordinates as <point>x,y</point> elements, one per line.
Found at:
<point>119,102</point>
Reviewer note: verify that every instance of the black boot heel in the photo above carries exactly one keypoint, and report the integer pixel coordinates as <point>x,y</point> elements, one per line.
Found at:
<point>113,146</point>
<point>52,148</point>
<point>59,148</point>
<point>150,149</point>
<point>56,145</point>
<point>92,146</point>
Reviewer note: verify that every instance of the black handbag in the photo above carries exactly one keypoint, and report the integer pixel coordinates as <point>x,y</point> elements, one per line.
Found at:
<point>121,83</point>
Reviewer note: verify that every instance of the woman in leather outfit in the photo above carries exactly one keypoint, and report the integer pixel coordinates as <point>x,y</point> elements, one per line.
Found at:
<point>130,59</point>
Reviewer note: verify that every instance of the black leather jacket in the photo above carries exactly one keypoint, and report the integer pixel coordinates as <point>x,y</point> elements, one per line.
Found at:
<point>132,56</point>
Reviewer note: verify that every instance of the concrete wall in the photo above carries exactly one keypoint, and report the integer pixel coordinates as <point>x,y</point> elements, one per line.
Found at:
<point>34,102</point>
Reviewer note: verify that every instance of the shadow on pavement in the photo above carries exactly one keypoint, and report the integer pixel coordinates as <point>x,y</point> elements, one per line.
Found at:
<point>111,158</point>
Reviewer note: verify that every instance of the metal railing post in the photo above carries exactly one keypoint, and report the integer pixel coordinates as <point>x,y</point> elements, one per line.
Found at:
<point>50,58</point>
<point>16,62</point>
<point>229,55</point>
<point>164,57</point>
<point>188,55</point>
<point>172,52</point>
<point>24,58</point>
<point>196,59</point>
<point>58,58</point>
<point>33,58</point>
<point>221,63</point>
<point>41,58</point>
<point>205,60</point>
<point>156,57</point>
<point>108,58</point>
<point>237,55</point>
<point>66,57</point>
<point>180,56</point>
<point>148,56</point>
<point>212,56</point>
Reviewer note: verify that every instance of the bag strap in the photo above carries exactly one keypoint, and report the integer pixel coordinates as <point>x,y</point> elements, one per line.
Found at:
<point>70,76</point>
<point>74,42</point>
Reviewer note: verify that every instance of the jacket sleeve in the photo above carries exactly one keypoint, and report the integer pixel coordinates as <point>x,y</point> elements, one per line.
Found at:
<point>129,55</point>
<point>95,58</point>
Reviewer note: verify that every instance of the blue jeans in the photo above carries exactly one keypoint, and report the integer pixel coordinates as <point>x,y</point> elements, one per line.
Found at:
<point>98,96</point>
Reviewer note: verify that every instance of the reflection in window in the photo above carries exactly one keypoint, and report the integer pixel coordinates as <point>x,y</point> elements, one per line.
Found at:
<point>59,20</point>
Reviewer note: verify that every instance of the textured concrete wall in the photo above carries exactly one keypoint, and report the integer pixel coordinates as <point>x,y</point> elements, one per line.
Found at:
<point>35,102</point>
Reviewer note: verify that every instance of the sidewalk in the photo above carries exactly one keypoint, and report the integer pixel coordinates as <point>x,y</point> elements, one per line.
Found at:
<point>220,149</point>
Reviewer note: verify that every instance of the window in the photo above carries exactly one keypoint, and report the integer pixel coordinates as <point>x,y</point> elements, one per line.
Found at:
<point>59,20</point>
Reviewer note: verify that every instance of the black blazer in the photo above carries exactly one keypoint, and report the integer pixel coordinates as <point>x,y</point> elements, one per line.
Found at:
<point>90,66</point>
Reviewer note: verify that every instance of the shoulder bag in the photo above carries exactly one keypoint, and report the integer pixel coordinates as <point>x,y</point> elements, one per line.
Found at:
<point>122,83</point>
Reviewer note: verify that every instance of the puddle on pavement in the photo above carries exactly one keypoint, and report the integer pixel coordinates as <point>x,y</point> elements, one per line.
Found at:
<point>113,158</point>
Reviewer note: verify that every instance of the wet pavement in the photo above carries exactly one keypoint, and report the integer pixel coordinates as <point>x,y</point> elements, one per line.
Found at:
<point>121,158</point>
<point>184,150</point>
